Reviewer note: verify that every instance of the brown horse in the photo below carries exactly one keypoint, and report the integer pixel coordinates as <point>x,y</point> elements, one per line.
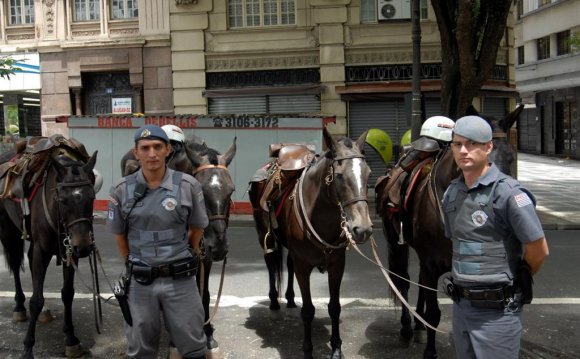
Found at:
<point>423,230</point>
<point>327,208</point>
<point>61,217</point>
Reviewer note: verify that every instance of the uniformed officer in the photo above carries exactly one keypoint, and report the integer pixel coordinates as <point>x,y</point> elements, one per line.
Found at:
<point>157,216</point>
<point>497,242</point>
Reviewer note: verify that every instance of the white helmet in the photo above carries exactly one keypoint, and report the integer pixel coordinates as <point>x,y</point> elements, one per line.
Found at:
<point>98,180</point>
<point>174,133</point>
<point>439,128</point>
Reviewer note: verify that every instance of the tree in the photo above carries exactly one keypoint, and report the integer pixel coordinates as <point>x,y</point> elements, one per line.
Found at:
<point>471,31</point>
<point>7,67</point>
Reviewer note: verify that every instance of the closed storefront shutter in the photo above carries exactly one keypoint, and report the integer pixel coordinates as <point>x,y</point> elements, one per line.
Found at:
<point>294,104</point>
<point>494,106</point>
<point>432,107</point>
<point>237,105</point>
<point>388,116</point>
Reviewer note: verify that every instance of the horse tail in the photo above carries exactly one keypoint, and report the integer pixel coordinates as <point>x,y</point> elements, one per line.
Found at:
<point>13,252</point>
<point>398,254</point>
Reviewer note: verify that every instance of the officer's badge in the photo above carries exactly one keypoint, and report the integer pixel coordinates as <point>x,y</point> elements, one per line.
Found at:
<point>111,214</point>
<point>479,218</point>
<point>169,204</point>
<point>145,133</point>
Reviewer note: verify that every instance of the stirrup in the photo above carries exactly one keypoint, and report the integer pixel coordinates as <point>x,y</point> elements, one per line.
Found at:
<point>266,249</point>
<point>401,237</point>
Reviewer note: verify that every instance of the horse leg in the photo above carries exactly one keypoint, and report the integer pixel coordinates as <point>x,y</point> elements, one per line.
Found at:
<point>335,274</point>
<point>208,328</point>
<point>432,313</point>
<point>73,348</point>
<point>38,272</point>
<point>19,312</point>
<point>303,271</point>
<point>290,303</point>
<point>274,264</point>
<point>420,330</point>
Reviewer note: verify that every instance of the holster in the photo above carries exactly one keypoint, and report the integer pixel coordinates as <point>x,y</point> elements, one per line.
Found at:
<point>142,274</point>
<point>524,282</point>
<point>184,268</point>
<point>121,290</point>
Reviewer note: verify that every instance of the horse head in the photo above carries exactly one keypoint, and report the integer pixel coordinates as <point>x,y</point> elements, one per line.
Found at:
<point>211,170</point>
<point>503,155</point>
<point>74,196</point>
<point>179,159</point>
<point>349,174</point>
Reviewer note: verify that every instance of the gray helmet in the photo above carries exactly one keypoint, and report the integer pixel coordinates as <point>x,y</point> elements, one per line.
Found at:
<point>473,128</point>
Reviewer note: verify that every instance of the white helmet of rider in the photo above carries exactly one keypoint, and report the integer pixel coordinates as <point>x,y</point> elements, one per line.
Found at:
<point>174,133</point>
<point>439,128</point>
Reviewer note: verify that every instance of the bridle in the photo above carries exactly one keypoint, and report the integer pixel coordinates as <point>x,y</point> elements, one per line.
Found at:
<point>341,204</point>
<point>214,217</point>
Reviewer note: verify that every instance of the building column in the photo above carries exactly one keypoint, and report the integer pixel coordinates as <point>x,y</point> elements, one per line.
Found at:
<point>138,96</point>
<point>76,92</point>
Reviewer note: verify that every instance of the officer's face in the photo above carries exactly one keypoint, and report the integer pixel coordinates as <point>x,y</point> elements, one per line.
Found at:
<point>470,155</point>
<point>151,154</point>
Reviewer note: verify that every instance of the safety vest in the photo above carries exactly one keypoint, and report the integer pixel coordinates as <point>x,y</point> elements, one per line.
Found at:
<point>157,226</point>
<point>479,245</point>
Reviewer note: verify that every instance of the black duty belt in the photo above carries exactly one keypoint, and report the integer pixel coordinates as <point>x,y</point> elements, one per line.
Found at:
<point>484,294</point>
<point>162,271</point>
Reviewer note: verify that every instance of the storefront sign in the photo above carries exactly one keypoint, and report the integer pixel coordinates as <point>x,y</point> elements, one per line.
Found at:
<point>121,105</point>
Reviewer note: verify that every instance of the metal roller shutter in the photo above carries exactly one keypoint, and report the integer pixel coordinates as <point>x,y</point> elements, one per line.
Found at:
<point>494,106</point>
<point>238,105</point>
<point>432,107</point>
<point>388,116</point>
<point>294,104</point>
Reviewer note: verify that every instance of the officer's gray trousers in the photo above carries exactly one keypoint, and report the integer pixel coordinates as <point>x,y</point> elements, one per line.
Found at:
<point>179,303</point>
<point>486,333</point>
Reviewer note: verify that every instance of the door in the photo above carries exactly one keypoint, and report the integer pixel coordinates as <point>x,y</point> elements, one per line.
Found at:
<point>566,131</point>
<point>100,88</point>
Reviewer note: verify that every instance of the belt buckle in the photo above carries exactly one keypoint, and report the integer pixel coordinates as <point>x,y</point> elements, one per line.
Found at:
<point>466,293</point>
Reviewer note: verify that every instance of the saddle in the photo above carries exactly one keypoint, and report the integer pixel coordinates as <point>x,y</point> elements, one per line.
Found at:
<point>22,171</point>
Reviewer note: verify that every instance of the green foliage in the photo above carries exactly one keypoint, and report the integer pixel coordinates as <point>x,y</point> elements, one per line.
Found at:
<point>7,67</point>
<point>575,42</point>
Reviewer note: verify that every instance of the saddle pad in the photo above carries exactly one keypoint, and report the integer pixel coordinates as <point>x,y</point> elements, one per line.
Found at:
<point>417,171</point>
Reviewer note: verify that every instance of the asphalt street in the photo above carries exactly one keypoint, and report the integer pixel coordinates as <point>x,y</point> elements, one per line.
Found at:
<point>246,328</point>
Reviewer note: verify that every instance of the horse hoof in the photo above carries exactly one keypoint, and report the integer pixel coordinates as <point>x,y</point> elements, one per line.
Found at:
<point>75,351</point>
<point>45,316</point>
<point>19,316</point>
<point>421,336</point>
<point>212,343</point>
<point>291,305</point>
<point>214,354</point>
<point>174,353</point>
<point>336,354</point>
<point>405,337</point>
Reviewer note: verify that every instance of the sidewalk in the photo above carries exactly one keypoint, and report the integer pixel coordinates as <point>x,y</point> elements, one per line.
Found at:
<point>555,182</point>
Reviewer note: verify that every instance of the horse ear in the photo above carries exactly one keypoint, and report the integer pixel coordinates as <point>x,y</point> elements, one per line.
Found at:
<point>471,111</point>
<point>329,140</point>
<point>507,122</point>
<point>230,153</point>
<point>88,167</point>
<point>360,142</point>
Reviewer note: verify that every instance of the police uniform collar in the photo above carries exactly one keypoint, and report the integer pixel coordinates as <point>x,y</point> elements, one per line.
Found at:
<point>166,182</point>
<point>489,177</point>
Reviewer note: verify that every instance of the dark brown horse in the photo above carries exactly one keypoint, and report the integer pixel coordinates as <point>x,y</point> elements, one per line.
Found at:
<point>327,208</point>
<point>61,217</point>
<point>423,231</point>
<point>211,170</point>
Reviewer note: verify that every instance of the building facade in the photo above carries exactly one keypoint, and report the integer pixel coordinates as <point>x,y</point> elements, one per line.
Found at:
<point>547,41</point>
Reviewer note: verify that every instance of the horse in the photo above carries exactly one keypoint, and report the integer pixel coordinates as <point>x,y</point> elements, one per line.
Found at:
<point>326,210</point>
<point>211,170</point>
<point>60,205</point>
<point>422,227</point>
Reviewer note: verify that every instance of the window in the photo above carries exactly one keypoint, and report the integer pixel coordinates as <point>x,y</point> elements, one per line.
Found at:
<point>543,45</point>
<point>124,9</point>
<point>252,13</point>
<point>563,41</point>
<point>424,9</point>
<point>87,10</point>
<point>521,59</point>
<point>21,12</point>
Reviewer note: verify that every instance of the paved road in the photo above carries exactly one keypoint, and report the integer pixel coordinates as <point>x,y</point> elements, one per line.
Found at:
<point>246,328</point>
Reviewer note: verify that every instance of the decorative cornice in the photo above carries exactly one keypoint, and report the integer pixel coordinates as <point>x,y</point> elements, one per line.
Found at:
<point>129,31</point>
<point>262,63</point>
<point>49,16</point>
<point>20,36</point>
<point>92,33</point>
<point>389,56</point>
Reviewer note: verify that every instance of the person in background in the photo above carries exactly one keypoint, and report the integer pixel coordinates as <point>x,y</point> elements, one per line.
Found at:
<point>498,244</point>
<point>157,216</point>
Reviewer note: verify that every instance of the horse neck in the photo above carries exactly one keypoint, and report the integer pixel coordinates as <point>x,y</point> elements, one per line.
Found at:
<point>446,171</point>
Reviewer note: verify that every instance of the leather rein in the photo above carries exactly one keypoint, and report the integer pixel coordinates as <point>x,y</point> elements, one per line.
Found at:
<point>310,231</point>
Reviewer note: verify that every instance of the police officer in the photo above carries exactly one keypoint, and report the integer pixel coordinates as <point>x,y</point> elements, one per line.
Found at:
<point>157,216</point>
<point>496,232</point>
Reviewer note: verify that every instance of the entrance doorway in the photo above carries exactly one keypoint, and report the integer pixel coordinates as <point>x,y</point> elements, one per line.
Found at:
<point>100,88</point>
<point>566,131</point>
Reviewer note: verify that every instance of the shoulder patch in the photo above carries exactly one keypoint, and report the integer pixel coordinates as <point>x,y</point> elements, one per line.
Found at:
<point>522,199</point>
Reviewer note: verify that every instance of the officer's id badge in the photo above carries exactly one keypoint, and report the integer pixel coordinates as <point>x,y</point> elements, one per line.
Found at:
<point>169,204</point>
<point>479,218</point>
<point>522,200</point>
<point>111,214</point>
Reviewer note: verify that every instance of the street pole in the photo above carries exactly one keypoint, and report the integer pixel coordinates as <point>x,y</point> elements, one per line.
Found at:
<point>416,90</point>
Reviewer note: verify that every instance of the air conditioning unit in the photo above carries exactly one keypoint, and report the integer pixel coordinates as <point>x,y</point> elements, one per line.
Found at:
<point>393,9</point>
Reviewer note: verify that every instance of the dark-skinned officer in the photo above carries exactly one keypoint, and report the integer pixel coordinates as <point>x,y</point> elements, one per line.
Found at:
<point>157,216</point>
